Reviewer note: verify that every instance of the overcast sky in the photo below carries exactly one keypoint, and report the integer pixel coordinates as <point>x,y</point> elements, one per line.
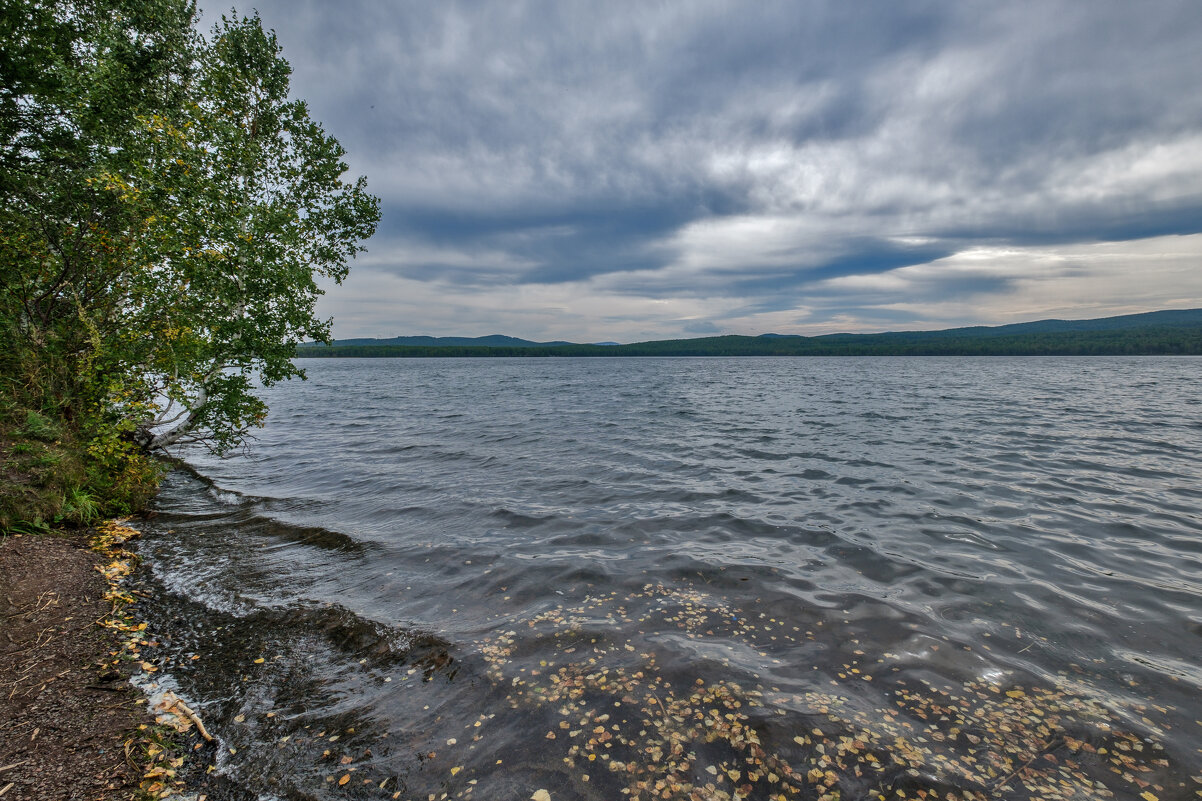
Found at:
<point>611,171</point>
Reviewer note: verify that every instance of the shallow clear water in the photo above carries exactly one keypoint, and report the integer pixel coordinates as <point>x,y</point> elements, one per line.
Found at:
<point>773,576</point>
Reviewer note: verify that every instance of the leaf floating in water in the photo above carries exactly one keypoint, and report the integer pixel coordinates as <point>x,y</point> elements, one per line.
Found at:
<point>540,795</point>
<point>344,780</point>
<point>975,733</point>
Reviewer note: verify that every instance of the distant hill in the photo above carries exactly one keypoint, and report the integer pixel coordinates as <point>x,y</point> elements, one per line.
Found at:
<point>491,341</point>
<point>1167,318</point>
<point>1151,333</point>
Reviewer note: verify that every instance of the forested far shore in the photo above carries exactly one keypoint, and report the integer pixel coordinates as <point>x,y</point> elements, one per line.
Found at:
<point>1145,341</point>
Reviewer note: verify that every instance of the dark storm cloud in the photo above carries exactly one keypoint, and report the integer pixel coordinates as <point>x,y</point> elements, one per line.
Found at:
<point>547,143</point>
<point>556,246</point>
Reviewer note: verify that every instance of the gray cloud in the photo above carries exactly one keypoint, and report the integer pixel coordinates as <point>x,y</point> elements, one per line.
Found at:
<point>745,158</point>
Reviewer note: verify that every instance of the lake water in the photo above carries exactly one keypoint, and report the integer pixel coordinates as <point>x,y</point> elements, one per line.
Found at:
<point>698,578</point>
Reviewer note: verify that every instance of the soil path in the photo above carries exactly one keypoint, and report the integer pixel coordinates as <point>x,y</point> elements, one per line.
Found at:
<point>65,713</point>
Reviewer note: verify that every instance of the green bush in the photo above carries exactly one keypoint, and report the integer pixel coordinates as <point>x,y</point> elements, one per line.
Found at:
<point>40,428</point>
<point>73,479</point>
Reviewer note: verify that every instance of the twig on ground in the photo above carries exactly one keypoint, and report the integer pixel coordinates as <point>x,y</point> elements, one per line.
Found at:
<point>200,727</point>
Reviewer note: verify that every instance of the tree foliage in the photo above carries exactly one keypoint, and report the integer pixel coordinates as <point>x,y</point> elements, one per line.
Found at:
<point>168,209</point>
<point>245,206</point>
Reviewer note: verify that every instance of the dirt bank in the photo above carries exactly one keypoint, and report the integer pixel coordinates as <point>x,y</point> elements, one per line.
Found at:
<point>67,714</point>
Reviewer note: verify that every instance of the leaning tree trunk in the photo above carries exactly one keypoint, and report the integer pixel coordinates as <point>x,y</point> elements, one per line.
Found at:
<point>151,440</point>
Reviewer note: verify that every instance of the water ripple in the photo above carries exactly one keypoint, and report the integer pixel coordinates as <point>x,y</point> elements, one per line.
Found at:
<point>858,536</point>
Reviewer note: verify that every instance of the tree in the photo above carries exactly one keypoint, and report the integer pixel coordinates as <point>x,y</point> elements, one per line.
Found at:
<point>167,210</point>
<point>75,82</point>
<point>246,207</point>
